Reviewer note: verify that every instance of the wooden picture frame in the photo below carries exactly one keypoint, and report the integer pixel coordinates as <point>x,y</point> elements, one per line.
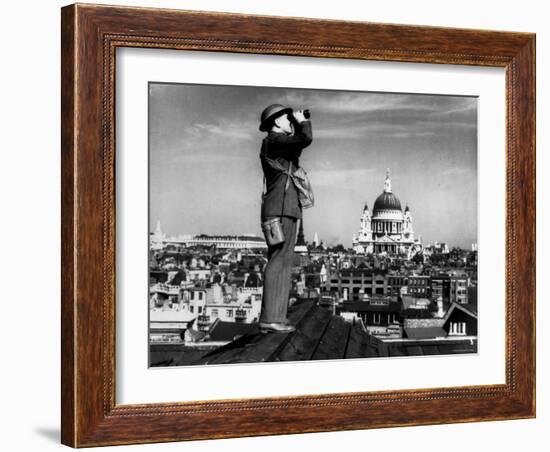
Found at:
<point>90,35</point>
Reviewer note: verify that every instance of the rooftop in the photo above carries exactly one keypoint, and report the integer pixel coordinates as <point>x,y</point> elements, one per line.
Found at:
<point>170,315</point>
<point>227,331</point>
<point>425,332</point>
<point>320,335</point>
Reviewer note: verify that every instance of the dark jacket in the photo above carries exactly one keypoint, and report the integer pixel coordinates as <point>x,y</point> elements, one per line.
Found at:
<point>286,149</point>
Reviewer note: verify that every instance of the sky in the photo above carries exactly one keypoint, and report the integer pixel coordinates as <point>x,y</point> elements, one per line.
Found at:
<point>205,174</point>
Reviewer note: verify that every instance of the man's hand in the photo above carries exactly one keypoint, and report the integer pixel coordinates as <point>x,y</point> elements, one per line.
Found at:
<point>299,116</point>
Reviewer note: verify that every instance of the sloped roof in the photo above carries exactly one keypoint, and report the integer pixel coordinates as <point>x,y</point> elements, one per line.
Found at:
<point>423,323</point>
<point>460,308</point>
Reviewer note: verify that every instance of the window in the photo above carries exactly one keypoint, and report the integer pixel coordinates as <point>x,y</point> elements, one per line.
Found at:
<point>376,318</point>
<point>192,308</point>
<point>199,309</point>
<point>214,313</point>
<point>457,329</point>
<point>229,313</point>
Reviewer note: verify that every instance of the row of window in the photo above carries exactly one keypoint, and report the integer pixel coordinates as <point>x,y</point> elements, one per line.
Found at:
<point>418,281</point>
<point>399,282</point>
<point>229,313</point>
<point>411,282</point>
<point>368,291</point>
<point>380,226</point>
<point>357,281</point>
<point>377,318</point>
<point>417,290</point>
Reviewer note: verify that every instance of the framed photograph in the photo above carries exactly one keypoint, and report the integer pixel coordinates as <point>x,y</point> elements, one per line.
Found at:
<point>281,225</point>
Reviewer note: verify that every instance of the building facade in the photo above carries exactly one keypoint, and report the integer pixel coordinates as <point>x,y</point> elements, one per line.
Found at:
<point>158,240</point>
<point>389,229</point>
<point>357,284</point>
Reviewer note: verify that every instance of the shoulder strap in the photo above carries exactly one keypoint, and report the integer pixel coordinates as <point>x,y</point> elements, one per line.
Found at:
<point>288,175</point>
<point>286,187</point>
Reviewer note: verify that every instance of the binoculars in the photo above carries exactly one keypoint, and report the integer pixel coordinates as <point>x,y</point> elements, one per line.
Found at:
<point>306,112</point>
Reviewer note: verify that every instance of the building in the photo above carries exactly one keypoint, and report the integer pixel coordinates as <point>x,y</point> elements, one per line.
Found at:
<point>227,303</point>
<point>380,315</point>
<point>353,284</point>
<point>453,289</point>
<point>460,321</point>
<point>389,229</point>
<point>159,240</point>
<point>169,325</point>
<point>419,286</point>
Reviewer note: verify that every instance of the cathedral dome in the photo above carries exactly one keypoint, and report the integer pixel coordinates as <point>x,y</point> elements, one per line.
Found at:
<point>387,201</point>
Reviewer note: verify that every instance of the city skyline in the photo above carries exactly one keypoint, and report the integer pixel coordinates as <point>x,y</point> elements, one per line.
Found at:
<point>204,146</point>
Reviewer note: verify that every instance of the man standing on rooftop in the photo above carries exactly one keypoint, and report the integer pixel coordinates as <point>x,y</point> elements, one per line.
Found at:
<point>288,133</point>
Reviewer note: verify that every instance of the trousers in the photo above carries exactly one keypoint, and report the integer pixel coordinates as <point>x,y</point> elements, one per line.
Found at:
<point>278,273</point>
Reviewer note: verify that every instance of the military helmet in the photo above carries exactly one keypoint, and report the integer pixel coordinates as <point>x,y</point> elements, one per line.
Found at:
<point>270,113</point>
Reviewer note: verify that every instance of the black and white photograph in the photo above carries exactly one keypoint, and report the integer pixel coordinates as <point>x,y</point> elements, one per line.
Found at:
<point>290,224</point>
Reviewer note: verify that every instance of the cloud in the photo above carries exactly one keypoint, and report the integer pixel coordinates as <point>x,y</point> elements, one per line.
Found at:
<point>365,102</point>
<point>225,128</point>
<point>458,171</point>
<point>339,177</point>
<point>385,129</point>
<point>356,115</point>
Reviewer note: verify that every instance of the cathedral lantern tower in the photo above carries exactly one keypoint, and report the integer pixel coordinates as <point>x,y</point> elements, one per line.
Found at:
<point>387,182</point>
